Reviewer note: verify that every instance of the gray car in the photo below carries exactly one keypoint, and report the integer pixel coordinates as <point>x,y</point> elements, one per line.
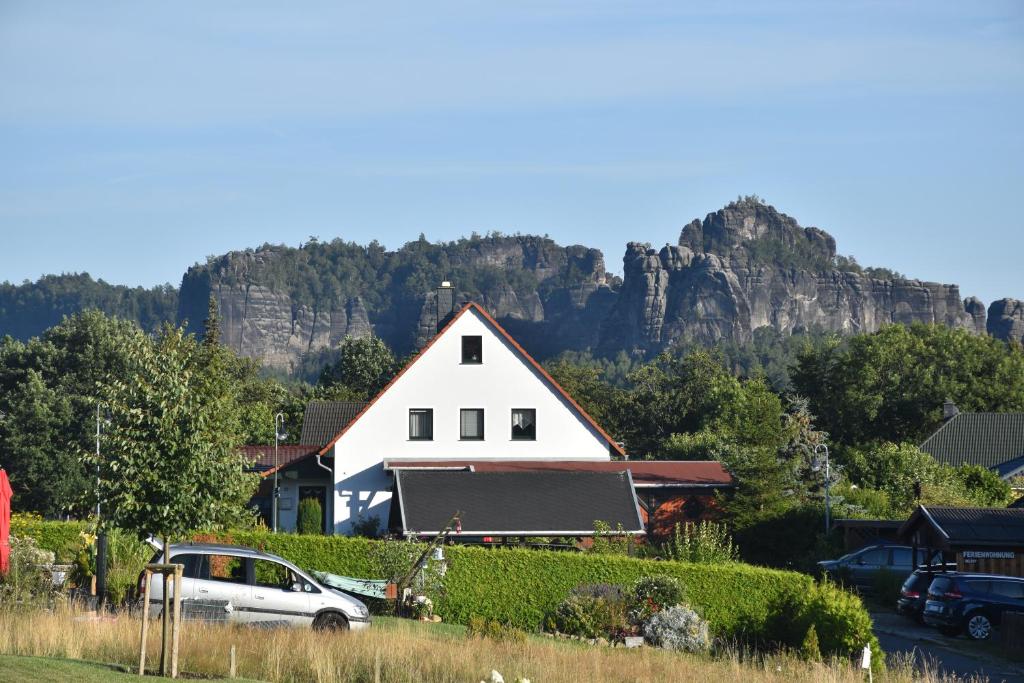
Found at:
<point>241,585</point>
<point>861,567</point>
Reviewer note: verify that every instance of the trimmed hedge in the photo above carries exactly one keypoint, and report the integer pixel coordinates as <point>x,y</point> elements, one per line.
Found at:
<point>519,587</point>
<point>62,538</point>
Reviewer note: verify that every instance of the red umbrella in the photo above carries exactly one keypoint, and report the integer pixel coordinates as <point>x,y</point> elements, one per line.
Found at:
<point>5,521</point>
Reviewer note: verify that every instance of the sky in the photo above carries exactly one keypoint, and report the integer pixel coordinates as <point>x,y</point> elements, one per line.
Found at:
<point>138,138</point>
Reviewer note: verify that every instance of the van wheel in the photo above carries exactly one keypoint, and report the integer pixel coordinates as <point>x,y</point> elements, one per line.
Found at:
<point>979,627</point>
<point>331,621</point>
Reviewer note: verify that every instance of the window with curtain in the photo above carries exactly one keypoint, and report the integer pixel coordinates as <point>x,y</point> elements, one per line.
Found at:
<point>471,424</point>
<point>421,424</point>
<point>524,424</point>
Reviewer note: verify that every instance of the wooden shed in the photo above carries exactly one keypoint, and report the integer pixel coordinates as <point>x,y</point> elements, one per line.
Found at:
<point>984,540</point>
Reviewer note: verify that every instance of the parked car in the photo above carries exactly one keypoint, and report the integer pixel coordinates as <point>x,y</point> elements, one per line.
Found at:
<point>242,585</point>
<point>914,592</point>
<point>861,567</point>
<point>971,603</point>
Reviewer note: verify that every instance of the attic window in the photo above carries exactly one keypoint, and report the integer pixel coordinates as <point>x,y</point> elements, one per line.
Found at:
<point>472,350</point>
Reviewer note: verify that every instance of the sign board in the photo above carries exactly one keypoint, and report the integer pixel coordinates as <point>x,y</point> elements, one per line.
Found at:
<point>988,555</point>
<point>865,657</point>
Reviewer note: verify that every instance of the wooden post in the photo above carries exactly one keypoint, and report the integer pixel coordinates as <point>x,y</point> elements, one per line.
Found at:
<point>177,619</point>
<point>165,617</point>
<point>231,665</point>
<point>376,666</point>
<point>145,622</point>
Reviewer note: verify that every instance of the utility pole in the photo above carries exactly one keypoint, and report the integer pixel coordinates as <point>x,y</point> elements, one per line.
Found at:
<point>828,483</point>
<point>278,435</point>
<point>101,539</point>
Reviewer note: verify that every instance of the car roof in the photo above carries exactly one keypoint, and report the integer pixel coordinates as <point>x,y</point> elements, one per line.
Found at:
<point>974,575</point>
<point>212,548</point>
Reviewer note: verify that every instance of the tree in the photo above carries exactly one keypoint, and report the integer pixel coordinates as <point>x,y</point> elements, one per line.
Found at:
<point>211,326</point>
<point>170,462</point>
<point>890,386</point>
<point>366,364</point>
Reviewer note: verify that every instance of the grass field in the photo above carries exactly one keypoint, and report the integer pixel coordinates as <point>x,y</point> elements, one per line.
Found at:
<point>399,650</point>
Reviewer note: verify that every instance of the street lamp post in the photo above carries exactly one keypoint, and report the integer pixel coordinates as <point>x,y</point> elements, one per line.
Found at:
<point>828,483</point>
<point>278,435</point>
<point>101,539</point>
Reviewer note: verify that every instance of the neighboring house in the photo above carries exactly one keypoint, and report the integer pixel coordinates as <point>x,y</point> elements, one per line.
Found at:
<point>992,440</point>
<point>473,405</point>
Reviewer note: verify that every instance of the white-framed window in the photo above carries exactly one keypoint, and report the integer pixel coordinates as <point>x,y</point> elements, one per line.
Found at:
<point>471,424</point>
<point>421,424</point>
<point>524,424</point>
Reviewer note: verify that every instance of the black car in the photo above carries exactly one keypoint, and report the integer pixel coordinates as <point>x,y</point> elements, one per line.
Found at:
<point>971,603</point>
<point>914,592</point>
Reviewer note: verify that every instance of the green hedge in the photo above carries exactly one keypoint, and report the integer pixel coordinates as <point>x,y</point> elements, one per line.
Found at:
<point>64,539</point>
<point>520,587</point>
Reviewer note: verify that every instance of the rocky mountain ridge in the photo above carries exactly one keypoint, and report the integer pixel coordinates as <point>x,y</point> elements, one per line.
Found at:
<point>743,267</point>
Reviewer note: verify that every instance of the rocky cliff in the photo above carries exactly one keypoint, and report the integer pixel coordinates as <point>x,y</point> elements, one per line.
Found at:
<point>748,266</point>
<point>1006,320</point>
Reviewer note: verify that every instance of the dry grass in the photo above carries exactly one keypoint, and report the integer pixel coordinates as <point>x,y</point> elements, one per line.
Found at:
<point>407,651</point>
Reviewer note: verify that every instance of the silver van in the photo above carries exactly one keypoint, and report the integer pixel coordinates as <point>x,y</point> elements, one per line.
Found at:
<point>241,585</point>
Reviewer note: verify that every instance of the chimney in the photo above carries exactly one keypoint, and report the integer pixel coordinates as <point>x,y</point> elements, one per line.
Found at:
<point>445,304</point>
<point>949,411</point>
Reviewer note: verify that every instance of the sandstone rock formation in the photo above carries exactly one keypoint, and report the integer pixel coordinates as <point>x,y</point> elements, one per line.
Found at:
<point>1006,320</point>
<point>748,266</point>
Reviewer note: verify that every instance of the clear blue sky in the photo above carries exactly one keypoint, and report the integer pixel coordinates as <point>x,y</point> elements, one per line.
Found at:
<point>136,141</point>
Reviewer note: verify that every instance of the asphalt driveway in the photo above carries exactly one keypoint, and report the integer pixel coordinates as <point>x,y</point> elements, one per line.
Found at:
<point>959,656</point>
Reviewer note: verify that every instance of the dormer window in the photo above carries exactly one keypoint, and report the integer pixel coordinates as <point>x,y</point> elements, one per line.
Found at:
<point>472,349</point>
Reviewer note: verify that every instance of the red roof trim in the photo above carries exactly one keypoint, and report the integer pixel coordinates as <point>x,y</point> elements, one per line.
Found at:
<point>515,345</point>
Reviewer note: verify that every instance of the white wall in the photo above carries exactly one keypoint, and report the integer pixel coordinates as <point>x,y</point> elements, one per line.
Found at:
<point>288,514</point>
<point>440,381</point>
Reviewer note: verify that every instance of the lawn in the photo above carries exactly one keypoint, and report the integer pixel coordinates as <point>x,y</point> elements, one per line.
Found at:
<point>393,649</point>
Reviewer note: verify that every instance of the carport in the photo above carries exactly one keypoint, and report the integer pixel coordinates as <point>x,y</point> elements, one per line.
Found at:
<point>984,540</point>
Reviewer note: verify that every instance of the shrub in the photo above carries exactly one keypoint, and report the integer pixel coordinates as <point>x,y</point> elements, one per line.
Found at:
<point>704,542</point>
<point>652,594</point>
<point>479,627</point>
<point>809,649</point>
<point>26,583</point>
<point>63,539</point>
<point>594,611</point>
<point>677,628</point>
<point>310,517</point>
<point>609,542</point>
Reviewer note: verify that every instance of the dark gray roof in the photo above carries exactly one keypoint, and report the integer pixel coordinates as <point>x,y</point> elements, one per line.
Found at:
<point>971,526</point>
<point>993,440</point>
<point>1019,503</point>
<point>324,419</point>
<point>542,503</point>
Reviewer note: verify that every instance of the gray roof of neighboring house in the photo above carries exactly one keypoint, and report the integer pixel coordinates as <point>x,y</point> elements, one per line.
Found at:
<point>971,526</point>
<point>541,503</point>
<point>993,440</point>
<point>324,419</point>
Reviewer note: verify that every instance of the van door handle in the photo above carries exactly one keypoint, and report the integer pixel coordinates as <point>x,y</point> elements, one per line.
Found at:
<point>260,597</point>
<point>203,590</point>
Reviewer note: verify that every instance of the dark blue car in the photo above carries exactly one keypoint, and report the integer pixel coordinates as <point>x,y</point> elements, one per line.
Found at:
<point>971,603</point>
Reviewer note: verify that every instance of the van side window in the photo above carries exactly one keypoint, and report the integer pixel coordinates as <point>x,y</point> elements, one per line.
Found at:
<point>194,565</point>
<point>227,568</point>
<point>273,575</point>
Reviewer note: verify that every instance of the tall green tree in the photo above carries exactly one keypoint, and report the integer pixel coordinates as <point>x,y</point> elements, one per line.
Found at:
<point>170,460</point>
<point>365,365</point>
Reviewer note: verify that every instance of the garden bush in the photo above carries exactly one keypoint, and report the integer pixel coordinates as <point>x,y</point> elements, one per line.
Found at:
<point>310,517</point>
<point>677,628</point>
<point>63,539</point>
<point>592,611</point>
<point>652,594</point>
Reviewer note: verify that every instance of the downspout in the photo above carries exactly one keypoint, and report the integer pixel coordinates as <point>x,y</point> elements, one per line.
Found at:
<point>329,488</point>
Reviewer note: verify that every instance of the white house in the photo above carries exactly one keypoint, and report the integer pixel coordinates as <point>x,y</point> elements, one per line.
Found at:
<point>472,393</point>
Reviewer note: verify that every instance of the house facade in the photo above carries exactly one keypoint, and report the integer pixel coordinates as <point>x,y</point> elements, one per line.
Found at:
<point>473,402</point>
<point>471,394</point>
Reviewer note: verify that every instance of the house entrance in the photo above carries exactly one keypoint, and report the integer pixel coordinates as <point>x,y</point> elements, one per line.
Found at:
<point>318,493</point>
